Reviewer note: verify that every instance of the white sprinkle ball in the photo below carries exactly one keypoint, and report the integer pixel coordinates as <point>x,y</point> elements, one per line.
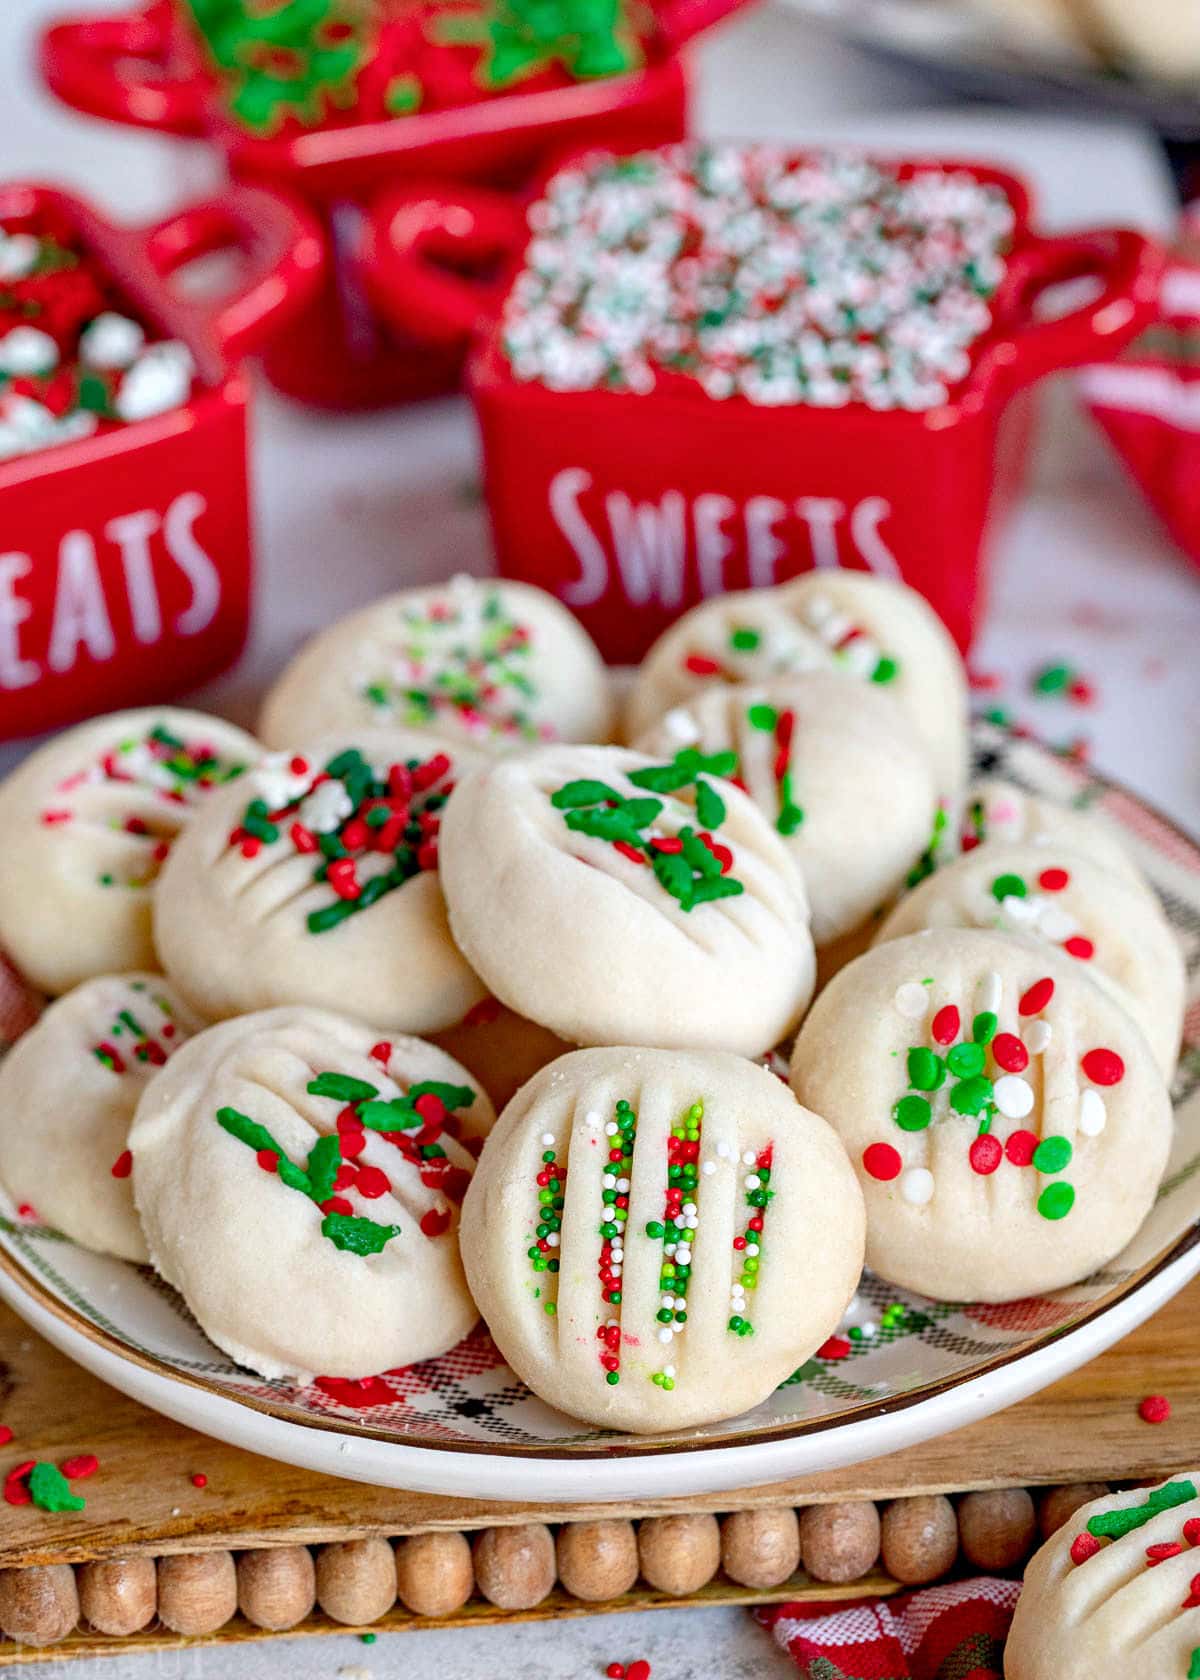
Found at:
<point>991,993</point>
<point>1037,1037</point>
<point>1054,923</point>
<point>27,350</point>
<point>1014,1096</point>
<point>111,341</point>
<point>917,1186</point>
<point>547,1139</point>
<point>1093,1116</point>
<point>912,1000</point>
<point>708,1168</point>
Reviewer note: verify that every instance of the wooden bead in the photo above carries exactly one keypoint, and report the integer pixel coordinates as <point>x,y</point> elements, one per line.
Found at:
<point>839,1542</point>
<point>997,1529</point>
<point>38,1606</point>
<point>919,1539</point>
<point>434,1576</point>
<point>356,1580</point>
<point>679,1555</point>
<point>118,1596</point>
<point>597,1560</point>
<point>760,1548</point>
<point>197,1591</point>
<point>514,1567</point>
<point>277,1587</point>
<point>1056,1505</point>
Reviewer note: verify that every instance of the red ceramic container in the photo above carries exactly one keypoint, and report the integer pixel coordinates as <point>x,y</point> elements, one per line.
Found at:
<point>632,507</point>
<point>146,67</point>
<point>126,564</point>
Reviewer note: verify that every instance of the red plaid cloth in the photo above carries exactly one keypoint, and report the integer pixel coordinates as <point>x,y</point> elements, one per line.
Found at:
<point>951,1632</point>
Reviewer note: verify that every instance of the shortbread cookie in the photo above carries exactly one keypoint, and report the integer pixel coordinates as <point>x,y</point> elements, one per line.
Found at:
<point>999,810</point>
<point>87,821</point>
<point>299,1182</point>
<point>497,665</point>
<point>1006,1118</point>
<point>657,1240</point>
<point>880,632</point>
<point>836,768</point>
<point>1062,897</point>
<point>315,880</point>
<point>68,1089</point>
<point>1115,1591</point>
<point>500,1048</point>
<point>617,900</point>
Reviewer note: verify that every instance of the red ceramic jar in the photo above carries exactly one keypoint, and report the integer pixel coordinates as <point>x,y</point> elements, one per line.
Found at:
<point>126,570</point>
<point>147,67</point>
<point>633,507</point>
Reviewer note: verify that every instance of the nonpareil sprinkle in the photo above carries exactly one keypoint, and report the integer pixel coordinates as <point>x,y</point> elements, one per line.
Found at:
<point>1155,1408</point>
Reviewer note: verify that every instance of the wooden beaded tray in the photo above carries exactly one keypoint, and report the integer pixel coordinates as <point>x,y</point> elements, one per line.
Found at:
<point>142,1502</point>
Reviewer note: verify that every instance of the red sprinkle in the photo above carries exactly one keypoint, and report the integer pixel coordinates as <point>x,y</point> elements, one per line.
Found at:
<point>15,1490</point>
<point>628,851</point>
<point>1083,1547</point>
<point>343,878</point>
<point>298,766</point>
<point>6,1434</point>
<point>986,1154</point>
<point>434,1222</point>
<point>701,665</point>
<point>336,1204</point>
<point>123,1165</point>
<point>1037,997</point>
<point>1193,1598</point>
<point>615,1671</point>
<point>372,1183</point>
<point>669,843</point>
<point>1103,1067</point>
<point>1155,1408</point>
<point>639,1670</point>
<point>1010,1053</point>
<point>267,1159</point>
<point>78,1468</point>
<point>1079,946</point>
<point>1160,1553</point>
<point>1053,880</point>
<point>837,1347</point>
<point>302,838</point>
<point>381,1052</point>
<point>1191,1531</point>
<point>200,1480</point>
<point>1020,1148</point>
<point>945,1025</point>
<point>251,846</point>
<point>882,1161</point>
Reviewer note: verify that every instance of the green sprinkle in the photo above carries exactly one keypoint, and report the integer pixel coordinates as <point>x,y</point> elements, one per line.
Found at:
<point>926,1070</point>
<point>744,640</point>
<point>912,1114</point>
<point>1008,886</point>
<point>966,1060</point>
<point>710,807</point>
<point>331,915</point>
<point>355,1235</point>
<point>971,1096</point>
<point>450,1096</point>
<point>342,1087</point>
<point>1113,1525</point>
<point>584,792</point>
<point>1052,679</point>
<point>324,1159</point>
<point>790,818</point>
<point>1056,1200</point>
<point>51,1491</point>
<point>1193,1672</point>
<point>612,1378</point>
<point>762,717</point>
<point>886,670</point>
<point>983,1027</point>
<point>721,886</point>
<point>1052,1154</point>
<point>550,1309</point>
<point>367,1638</point>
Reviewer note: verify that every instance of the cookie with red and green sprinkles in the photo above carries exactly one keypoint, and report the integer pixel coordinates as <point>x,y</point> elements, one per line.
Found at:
<point>88,821</point>
<point>838,770</point>
<point>1117,1586</point>
<point>994,809</point>
<point>878,631</point>
<point>316,880</point>
<point>68,1091</point>
<point>657,1239</point>
<point>1005,1115</point>
<point>620,899</point>
<point>299,1178</point>
<point>486,663</point>
<point>1046,892</point>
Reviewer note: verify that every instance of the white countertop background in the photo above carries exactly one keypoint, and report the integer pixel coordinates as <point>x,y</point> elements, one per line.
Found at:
<point>349,507</point>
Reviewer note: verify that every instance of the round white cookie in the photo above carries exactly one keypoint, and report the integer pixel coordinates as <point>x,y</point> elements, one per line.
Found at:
<point>1054,894</point>
<point>299,1182</point>
<point>880,632</point>
<point>835,767</point>
<point>657,1240</point>
<point>1115,1591</point>
<point>87,821</point>
<point>489,662</point>
<point>1006,1118</point>
<point>68,1090</point>
<point>619,901</point>
<point>315,880</point>
<point>999,810</point>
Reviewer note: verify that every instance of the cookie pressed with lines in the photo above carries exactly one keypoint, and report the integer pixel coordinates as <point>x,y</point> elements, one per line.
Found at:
<point>876,630</point>
<point>658,1239</point>
<point>88,822</point>
<point>299,1180</point>
<point>620,900</point>
<point>316,881</point>
<point>1006,1117</point>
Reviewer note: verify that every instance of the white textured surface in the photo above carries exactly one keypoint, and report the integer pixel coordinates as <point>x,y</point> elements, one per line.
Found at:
<point>1081,573</point>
